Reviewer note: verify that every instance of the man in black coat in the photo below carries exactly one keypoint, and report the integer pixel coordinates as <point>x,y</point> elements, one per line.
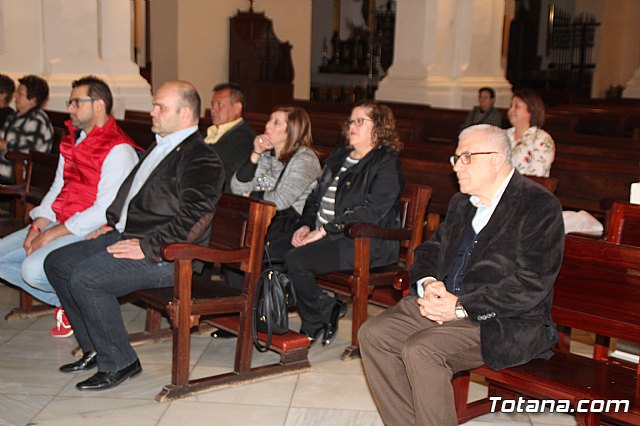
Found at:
<point>230,136</point>
<point>170,196</point>
<point>482,288</point>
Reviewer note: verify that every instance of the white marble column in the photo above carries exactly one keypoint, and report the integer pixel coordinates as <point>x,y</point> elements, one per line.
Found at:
<point>63,40</point>
<point>444,51</point>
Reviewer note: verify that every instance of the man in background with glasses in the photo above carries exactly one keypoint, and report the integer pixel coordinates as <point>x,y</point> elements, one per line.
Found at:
<point>482,288</point>
<point>95,158</point>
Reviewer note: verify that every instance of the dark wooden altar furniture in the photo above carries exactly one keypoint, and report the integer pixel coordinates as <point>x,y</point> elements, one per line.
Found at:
<point>259,62</point>
<point>360,284</point>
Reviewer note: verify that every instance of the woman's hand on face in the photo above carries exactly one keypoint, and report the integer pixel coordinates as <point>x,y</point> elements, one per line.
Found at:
<point>262,143</point>
<point>299,236</point>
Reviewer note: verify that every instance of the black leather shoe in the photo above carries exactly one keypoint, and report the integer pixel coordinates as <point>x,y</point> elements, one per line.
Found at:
<point>87,362</point>
<point>103,380</point>
<point>331,328</point>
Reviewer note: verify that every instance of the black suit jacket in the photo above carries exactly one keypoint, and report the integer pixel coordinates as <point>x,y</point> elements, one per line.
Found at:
<point>508,283</point>
<point>234,148</point>
<point>178,200</point>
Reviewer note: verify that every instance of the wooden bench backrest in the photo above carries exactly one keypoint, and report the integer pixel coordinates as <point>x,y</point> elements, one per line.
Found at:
<point>230,228</point>
<point>550,183</point>
<point>624,224</point>
<point>414,201</point>
<point>597,290</point>
<point>41,170</point>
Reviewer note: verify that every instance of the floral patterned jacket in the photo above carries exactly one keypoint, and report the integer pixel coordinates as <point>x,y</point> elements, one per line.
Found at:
<point>533,153</point>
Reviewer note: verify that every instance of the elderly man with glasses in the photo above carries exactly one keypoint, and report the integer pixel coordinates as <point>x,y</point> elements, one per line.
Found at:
<point>95,158</point>
<point>482,288</point>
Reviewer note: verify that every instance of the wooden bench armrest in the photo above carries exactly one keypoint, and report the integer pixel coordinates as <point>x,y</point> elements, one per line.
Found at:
<point>16,189</point>
<point>186,251</point>
<point>368,230</point>
<point>17,155</point>
<point>401,281</point>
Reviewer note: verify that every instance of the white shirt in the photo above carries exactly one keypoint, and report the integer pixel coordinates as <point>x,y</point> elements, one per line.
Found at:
<point>480,219</point>
<point>164,145</point>
<point>116,167</point>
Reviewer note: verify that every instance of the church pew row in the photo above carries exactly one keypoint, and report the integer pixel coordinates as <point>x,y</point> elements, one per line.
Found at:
<point>443,124</point>
<point>592,170</point>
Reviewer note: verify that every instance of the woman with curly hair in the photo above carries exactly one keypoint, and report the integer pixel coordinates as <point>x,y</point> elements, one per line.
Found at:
<point>361,182</point>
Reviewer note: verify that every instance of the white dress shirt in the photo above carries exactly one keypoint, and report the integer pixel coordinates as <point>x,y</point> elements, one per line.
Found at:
<point>116,167</point>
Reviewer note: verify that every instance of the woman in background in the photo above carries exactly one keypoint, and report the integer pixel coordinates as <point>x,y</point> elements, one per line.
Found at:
<point>532,149</point>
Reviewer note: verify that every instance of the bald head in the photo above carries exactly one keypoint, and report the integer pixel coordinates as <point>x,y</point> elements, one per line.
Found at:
<point>176,106</point>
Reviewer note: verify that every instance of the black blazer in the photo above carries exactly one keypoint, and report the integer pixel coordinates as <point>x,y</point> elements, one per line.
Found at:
<point>508,284</point>
<point>177,202</point>
<point>234,148</point>
<point>367,192</point>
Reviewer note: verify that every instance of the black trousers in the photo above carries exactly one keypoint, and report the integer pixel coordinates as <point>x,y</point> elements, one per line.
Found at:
<point>304,264</point>
<point>89,281</point>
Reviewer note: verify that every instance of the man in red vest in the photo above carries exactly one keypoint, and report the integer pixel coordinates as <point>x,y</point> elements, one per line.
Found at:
<point>95,157</point>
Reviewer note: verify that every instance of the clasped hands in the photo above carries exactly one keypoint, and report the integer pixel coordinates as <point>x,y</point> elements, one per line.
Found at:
<point>304,235</point>
<point>437,304</point>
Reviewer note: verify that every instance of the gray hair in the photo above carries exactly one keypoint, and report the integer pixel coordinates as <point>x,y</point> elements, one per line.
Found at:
<point>496,136</point>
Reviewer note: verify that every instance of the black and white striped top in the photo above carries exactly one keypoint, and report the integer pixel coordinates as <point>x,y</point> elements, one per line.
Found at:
<point>327,209</point>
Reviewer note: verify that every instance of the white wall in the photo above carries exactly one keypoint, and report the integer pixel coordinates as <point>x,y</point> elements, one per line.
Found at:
<point>190,40</point>
<point>619,53</point>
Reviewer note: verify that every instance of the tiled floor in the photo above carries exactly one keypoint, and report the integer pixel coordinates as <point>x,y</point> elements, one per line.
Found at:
<point>334,392</point>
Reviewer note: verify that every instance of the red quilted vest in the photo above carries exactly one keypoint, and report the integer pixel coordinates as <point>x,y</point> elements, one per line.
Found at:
<point>82,166</point>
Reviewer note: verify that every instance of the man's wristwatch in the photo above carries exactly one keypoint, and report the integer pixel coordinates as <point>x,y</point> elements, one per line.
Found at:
<point>460,312</point>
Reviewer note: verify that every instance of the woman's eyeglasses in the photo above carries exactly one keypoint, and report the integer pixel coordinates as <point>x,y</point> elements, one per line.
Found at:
<point>358,121</point>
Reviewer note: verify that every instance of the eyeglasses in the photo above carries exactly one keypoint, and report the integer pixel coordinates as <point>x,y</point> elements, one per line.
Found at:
<point>358,121</point>
<point>77,101</point>
<point>465,157</point>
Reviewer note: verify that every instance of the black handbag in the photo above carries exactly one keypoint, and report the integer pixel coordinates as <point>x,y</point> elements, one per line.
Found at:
<point>273,298</point>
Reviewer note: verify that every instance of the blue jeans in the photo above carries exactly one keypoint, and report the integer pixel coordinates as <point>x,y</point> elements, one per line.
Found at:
<point>27,272</point>
<point>89,281</point>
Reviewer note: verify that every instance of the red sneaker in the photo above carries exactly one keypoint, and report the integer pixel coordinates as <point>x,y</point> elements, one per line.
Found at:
<point>62,328</point>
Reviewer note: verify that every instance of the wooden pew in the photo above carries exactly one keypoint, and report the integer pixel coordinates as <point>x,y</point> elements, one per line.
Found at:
<point>237,236</point>
<point>598,290</point>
